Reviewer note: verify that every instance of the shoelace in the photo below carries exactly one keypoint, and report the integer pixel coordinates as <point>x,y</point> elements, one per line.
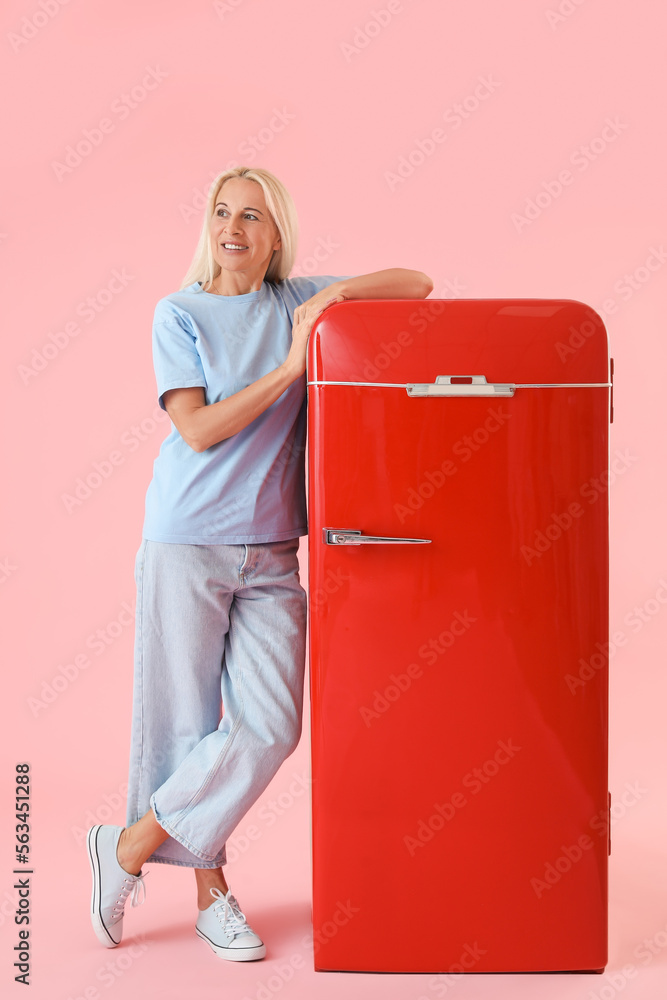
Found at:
<point>132,884</point>
<point>228,908</point>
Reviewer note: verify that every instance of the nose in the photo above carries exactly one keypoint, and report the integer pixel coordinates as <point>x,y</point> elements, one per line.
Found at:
<point>232,226</point>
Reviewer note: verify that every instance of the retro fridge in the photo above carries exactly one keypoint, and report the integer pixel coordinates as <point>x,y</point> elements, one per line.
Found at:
<point>458,613</point>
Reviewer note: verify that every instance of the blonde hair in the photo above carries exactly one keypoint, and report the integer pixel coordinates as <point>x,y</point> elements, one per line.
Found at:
<point>283,212</point>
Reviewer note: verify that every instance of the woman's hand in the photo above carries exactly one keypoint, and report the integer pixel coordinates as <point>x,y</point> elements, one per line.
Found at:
<point>203,424</point>
<point>305,316</point>
<point>320,300</point>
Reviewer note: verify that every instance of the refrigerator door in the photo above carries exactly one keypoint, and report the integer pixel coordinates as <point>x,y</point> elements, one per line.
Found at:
<point>460,817</point>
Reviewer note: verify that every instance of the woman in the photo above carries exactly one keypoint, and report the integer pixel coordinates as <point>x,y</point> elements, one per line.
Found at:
<point>221,614</point>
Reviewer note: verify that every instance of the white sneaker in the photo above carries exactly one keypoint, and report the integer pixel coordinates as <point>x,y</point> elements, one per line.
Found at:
<point>224,927</point>
<point>111,885</point>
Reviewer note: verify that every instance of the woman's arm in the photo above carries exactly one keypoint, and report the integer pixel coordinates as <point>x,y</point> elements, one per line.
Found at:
<point>392,283</point>
<point>203,424</point>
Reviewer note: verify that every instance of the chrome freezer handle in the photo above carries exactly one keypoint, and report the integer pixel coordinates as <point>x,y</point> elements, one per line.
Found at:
<point>350,536</point>
<point>460,385</point>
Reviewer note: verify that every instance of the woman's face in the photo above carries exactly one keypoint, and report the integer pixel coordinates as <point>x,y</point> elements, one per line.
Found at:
<point>240,217</point>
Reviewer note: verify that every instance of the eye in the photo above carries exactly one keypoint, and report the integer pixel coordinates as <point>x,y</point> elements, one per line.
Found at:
<point>248,215</point>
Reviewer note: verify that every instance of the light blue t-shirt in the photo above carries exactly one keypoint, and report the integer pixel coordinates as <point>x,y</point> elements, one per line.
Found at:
<point>251,486</point>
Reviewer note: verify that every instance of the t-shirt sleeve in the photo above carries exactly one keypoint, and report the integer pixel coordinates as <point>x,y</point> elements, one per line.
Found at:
<point>175,357</point>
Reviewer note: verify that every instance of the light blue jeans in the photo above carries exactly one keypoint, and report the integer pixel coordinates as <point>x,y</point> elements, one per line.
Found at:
<point>214,623</point>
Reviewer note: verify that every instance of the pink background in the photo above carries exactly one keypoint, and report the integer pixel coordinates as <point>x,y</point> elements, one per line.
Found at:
<point>354,97</point>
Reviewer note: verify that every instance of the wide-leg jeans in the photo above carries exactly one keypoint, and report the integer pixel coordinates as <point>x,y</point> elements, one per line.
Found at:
<point>218,687</point>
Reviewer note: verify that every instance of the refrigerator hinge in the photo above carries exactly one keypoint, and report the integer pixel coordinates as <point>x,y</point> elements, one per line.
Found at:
<point>611,390</point>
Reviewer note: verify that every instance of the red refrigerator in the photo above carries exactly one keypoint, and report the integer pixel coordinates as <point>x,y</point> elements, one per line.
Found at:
<point>458,578</point>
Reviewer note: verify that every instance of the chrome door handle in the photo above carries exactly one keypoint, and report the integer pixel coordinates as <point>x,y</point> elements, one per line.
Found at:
<point>460,385</point>
<point>350,536</point>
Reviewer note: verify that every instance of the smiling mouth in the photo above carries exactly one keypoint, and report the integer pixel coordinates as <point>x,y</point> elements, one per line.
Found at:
<point>234,247</point>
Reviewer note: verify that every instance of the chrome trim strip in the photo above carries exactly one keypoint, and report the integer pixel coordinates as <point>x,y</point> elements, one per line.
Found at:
<point>389,385</point>
<point>515,385</point>
<point>562,385</point>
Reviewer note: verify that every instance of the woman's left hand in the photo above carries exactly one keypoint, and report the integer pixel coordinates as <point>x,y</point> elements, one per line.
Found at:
<point>315,305</point>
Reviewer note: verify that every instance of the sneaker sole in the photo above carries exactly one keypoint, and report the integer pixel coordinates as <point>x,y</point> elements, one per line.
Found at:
<point>234,954</point>
<point>101,932</point>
